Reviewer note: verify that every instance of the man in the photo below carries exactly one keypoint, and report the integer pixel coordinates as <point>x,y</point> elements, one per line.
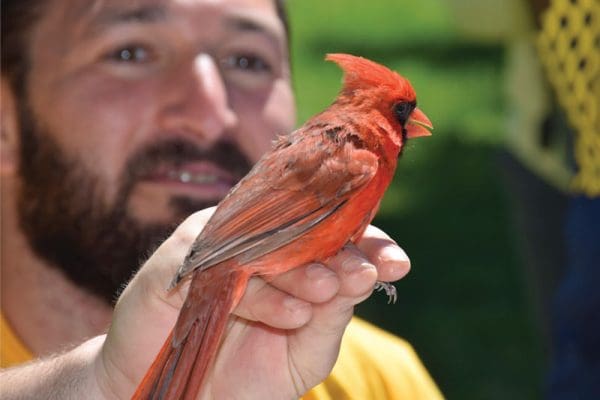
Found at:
<point>119,119</point>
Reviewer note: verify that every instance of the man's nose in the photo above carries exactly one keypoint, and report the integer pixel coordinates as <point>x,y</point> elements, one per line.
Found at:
<point>198,104</point>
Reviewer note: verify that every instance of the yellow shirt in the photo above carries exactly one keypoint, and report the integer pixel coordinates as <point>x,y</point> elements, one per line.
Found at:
<point>372,364</point>
<point>12,350</point>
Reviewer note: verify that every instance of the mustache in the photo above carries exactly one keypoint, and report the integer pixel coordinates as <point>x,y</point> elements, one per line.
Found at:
<point>177,152</point>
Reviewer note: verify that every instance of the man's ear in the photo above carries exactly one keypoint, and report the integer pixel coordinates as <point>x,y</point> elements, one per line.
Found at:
<point>9,130</point>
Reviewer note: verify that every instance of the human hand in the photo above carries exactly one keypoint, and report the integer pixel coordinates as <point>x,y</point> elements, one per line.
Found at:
<point>283,337</point>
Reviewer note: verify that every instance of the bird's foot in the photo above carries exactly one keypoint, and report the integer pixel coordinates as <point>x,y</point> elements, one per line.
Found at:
<point>389,289</point>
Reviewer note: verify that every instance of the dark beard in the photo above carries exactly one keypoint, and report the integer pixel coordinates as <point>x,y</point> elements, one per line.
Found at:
<point>64,214</point>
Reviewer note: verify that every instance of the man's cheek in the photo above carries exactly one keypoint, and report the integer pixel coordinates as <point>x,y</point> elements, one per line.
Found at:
<point>103,142</point>
<point>258,133</point>
<point>280,107</point>
<point>255,141</point>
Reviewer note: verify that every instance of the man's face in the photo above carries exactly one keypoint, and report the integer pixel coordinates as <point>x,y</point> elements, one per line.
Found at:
<point>137,113</point>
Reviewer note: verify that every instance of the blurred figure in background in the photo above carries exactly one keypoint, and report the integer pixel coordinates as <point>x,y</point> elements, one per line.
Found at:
<point>553,171</point>
<point>569,48</point>
<point>551,165</point>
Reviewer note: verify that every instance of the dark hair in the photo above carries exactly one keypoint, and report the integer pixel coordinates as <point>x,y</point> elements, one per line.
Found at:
<point>282,14</point>
<point>18,19</point>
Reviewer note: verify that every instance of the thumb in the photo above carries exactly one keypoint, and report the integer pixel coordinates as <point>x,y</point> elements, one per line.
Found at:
<point>157,272</point>
<point>146,312</point>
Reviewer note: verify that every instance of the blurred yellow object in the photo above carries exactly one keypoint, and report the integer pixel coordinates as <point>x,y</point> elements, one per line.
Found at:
<point>569,48</point>
<point>12,350</point>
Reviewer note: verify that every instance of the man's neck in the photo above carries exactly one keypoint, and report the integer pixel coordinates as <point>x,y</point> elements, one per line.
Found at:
<point>46,310</point>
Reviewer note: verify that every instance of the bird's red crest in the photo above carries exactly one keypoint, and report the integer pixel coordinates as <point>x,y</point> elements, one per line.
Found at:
<point>362,73</point>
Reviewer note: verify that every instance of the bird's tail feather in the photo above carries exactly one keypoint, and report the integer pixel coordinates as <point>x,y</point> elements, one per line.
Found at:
<point>183,361</point>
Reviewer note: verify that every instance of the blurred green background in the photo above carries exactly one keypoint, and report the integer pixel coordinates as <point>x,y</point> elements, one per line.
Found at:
<point>465,306</point>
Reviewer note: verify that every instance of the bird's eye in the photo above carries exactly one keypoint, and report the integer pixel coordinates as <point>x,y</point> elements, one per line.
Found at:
<point>402,111</point>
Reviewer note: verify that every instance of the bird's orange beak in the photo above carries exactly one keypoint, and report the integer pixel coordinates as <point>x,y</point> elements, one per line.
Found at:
<point>418,125</point>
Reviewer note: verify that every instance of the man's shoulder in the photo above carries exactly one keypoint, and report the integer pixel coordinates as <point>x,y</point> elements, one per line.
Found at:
<point>374,364</point>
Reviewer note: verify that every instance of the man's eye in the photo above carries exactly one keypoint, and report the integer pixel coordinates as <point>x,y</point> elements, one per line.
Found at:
<point>131,54</point>
<point>246,62</point>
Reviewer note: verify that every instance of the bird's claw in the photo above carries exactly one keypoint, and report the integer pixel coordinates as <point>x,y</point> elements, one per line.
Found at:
<point>390,290</point>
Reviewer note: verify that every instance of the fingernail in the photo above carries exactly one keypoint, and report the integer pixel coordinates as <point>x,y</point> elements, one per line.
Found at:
<point>318,271</point>
<point>392,254</point>
<point>395,261</point>
<point>354,264</point>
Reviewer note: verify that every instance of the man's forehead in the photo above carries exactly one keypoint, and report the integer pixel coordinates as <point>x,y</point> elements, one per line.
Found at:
<point>103,12</point>
<point>82,8</point>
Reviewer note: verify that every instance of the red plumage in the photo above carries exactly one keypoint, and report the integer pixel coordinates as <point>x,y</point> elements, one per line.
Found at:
<point>315,191</point>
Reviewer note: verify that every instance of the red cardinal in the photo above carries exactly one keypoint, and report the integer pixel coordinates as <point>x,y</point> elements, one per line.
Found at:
<point>315,191</point>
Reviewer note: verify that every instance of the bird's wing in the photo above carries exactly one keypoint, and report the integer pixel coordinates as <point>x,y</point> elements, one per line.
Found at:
<point>303,181</point>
